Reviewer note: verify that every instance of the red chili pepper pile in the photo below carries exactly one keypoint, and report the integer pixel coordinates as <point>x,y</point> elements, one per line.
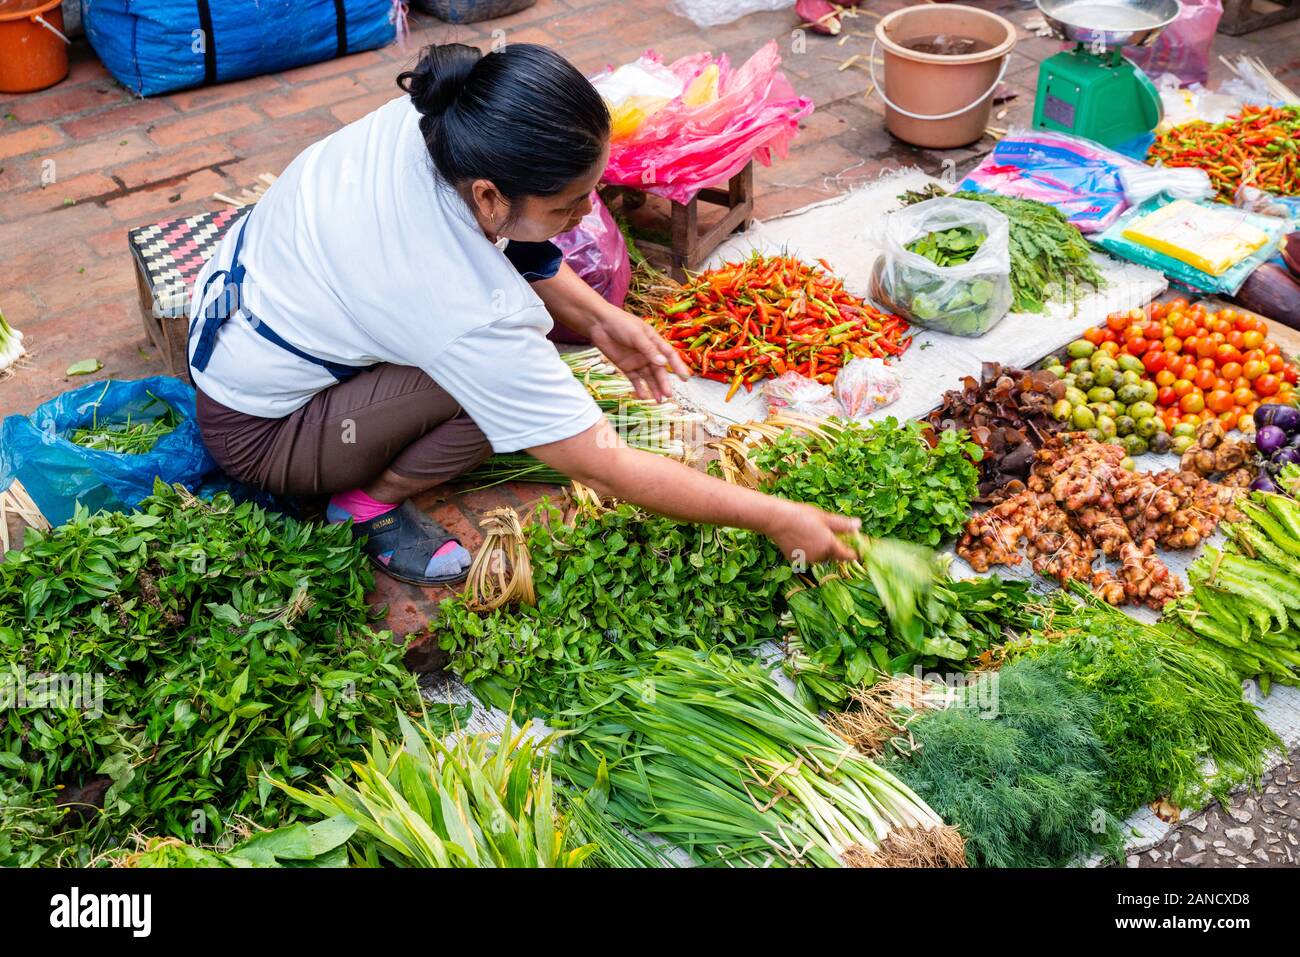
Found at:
<point>771,314</point>
<point>1259,147</point>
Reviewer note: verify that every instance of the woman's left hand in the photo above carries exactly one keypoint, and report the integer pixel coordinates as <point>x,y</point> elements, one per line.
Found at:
<point>640,353</point>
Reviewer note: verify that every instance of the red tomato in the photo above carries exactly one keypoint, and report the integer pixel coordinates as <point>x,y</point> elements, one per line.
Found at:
<point>1096,335</point>
<point>1252,339</point>
<point>1237,339</point>
<point>1290,374</point>
<point>1229,420</point>
<point>1167,396</point>
<point>1253,369</point>
<point>1110,347</point>
<point>1221,326</point>
<point>1176,365</point>
<point>1231,370</point>
<point>1227,353</point>
<point>1243,396</point>
<point>1165,377</point>
<point>1244,322</point>
<point>1272,349</point>
<point>1117,322</point>
<point>1183,387</point>
<point>1219,401</point>
<point>1276,364</point>
<point>1184,327</point>
<point>1192,403</point>
<point>1173,344</point>
<point>1154,330</point>
<point>1136,347</point>
<point>1154,360</point>
<point>1267,385</point>
<point>1207,363</point>
<point>1204,380</point>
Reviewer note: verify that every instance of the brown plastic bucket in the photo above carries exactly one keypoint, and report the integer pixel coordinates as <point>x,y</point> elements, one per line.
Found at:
<point>933,100</point>
<point>33,49</point>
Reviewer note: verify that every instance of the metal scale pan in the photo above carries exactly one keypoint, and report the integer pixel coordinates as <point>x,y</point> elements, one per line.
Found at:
<point>1109,24</point>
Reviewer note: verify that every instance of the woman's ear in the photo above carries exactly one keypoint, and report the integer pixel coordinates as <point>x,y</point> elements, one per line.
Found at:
<point>492,208</point>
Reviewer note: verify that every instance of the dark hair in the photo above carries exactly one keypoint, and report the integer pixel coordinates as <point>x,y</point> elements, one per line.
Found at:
<point>522,117</point>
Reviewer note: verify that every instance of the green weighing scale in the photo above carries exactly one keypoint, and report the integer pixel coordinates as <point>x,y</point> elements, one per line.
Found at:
<point>1095,91</point>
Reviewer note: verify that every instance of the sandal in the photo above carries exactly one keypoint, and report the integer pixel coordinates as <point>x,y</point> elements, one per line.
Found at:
<point>413,538</point>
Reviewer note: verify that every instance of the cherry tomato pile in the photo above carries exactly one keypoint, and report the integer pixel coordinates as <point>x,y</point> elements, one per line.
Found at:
<point>1205,364</point>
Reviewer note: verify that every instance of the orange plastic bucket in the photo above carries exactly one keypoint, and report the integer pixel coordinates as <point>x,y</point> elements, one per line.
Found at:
<point>33,49</point>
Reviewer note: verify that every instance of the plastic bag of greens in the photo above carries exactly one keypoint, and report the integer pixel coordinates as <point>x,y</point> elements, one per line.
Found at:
<point>67,450</point>
<point>946,266</point>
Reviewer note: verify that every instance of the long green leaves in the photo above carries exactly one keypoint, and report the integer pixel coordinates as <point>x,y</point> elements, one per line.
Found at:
<point>469,803</point>
<point>706,752</point>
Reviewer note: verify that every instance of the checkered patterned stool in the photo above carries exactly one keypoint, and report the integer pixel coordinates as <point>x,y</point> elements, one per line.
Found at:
<point>168,257</point>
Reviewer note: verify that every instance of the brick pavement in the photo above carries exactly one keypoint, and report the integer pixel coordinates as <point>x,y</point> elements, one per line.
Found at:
<point>67,279</point>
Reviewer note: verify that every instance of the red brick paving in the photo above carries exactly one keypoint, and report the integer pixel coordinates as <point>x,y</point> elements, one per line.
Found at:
<point>66,277</point>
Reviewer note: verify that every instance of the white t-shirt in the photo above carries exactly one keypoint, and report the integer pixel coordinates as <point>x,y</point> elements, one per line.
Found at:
<point>359,254</point>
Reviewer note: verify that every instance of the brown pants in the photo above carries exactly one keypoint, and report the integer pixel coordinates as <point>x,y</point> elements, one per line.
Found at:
<point>388,417</point>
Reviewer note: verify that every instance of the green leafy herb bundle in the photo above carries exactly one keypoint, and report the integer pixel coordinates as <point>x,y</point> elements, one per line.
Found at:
<point>884,473</point>
<point>706,752</point>
<point>843,637</point>
<point>163,663</point>
<point>1166,706</point>
<point>467,802</point>
<point>1050,259</point>
<point>1015,765</point>
<point>1245,601</point>
<point>610,586</point>
<point>135,435</point>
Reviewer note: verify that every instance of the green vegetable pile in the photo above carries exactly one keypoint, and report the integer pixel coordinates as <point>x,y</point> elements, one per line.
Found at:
<point>707,753</point>
<point>1245,601</point>
<point>1016,766</point>
<point>843,635</point>
<point>948,247</point>
<point>166,664</point>
<point>1166,707</point>
<point>885,474</point>
<point>131,436</point>
<point>609,586</point>
<point>1050,259</point>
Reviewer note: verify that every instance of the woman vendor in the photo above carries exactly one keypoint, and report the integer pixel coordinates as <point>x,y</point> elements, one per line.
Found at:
<point>377,324</point>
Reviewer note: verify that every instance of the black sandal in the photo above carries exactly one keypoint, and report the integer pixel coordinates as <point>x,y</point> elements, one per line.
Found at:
<point>413,538</point>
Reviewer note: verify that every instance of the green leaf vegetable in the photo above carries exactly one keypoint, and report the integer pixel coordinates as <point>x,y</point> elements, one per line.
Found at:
<point>883,473</point>
<point>163,663</point>
<point>609,587</point>
<point>469,803</point>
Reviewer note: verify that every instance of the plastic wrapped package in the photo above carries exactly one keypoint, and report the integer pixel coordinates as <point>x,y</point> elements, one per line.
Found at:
<point>792,392</point>
<point>719,121</point>
<point>1183,47</point>
<point>597,251</point>
<point>714,13</point>
<point>1184,182</point>
<point>866,385</point>
<point>1177,243</point>
<point>58,473</point>
<point>1077,176</point>
<point>1268,204</point>
<point>966,299</point>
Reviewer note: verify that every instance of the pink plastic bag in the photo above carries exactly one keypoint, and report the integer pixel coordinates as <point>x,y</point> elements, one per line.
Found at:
<point>1183,49</point>
<point>680,148</point>
<point>596,250</point>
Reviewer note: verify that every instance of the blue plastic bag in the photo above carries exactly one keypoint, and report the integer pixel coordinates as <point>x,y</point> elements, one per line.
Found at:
<point>58,473</point>
<point>156,46</point>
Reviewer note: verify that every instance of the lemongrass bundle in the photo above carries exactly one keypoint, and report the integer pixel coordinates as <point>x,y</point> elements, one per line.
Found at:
<point>706,752</point>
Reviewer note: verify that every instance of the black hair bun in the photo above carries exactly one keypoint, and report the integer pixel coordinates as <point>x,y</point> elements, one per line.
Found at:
<point>439,77</point>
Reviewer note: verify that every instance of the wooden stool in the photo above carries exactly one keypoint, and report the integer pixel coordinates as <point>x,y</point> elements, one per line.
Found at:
<point>168,256</point>
<point>1240,16</point>
<point>689,248</point>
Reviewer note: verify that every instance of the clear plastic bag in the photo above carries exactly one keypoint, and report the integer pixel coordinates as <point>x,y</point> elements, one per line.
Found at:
<point>963,300</point>
<point>704,135</point>
<point>1143,182</point>
<point>792,392</point>
<point>1183,47</point>
<point>864,386</point>
<point>714,13</point>
<point>597,251</point>
<point>58,473</point>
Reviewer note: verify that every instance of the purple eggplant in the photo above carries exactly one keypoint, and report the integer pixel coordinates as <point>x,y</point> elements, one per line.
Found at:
<point>1285,417</point>
<point>1269,439</point>
<point>1263,484</point>
<point>1286,456</point>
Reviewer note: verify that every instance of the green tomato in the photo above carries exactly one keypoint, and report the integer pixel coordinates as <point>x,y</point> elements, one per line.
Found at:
<point>1149,391</point>
<point>1148,428</point>
<point>1125,425</point>
<point>1106,426</point>
<point>1062,410</point>
<point>1184,430</point>
<point>1101,393</point>
<point>1131,364</point>
<point>1181,443</point>
<point>1129,393</point>
<point>1083,417</point>
<point>1136,445</point>
<point>1129,377</point>
<point>1080,365</point>
<point>1142,410</point>
<point>1095,435</point>
<point>1085,380</point>
<point>1105,375</point>
<point>1075,396</point>
<point>1103,360</point>
<point>1080,349</point>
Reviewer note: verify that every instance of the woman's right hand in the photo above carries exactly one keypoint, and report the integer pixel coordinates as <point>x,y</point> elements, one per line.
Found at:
<point>806,533</point>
